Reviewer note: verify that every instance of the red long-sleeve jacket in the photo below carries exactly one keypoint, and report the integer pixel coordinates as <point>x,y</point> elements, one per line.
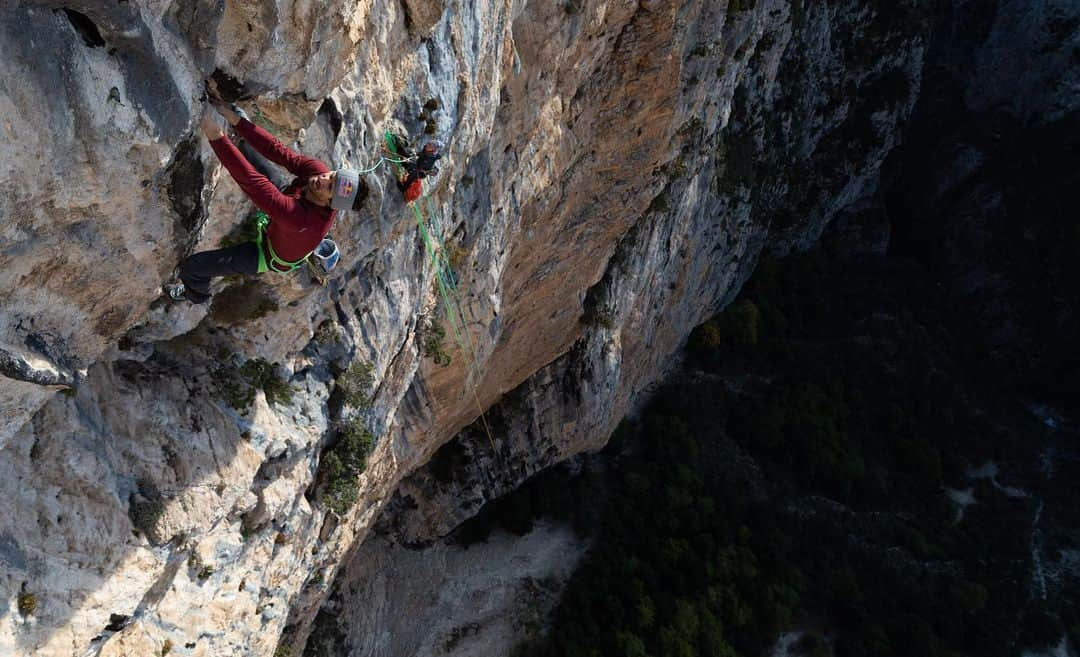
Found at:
<point>296,224</point>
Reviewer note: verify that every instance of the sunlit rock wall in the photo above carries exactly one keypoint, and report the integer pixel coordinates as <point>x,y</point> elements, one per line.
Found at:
<point>613,170</point>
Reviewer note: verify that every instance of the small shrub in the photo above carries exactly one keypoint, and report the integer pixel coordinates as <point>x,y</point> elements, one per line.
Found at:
<point>602,316</point>
<point>328,332</point>
<point>342,464</point>
<point>146,507</point>
<point>430,127</point>
<point>166,647</point>
<point>248,528</point>
<point>202,571</point>
<point>255,374</point>
<point>742,323</point>
<point>677,169</point>
<point>691,126</point>
<point>660,204</point>
<point>27,603</point>
<point>431,104</point>
<point>455,257</point>
<point>432,343</point>
<point>355,384</point>
<point>738,327</point>
<point>234,390</point>
<point>283,651</point>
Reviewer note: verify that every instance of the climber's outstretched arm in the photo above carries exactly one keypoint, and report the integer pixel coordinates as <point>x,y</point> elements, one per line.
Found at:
<point>257,186</point>
<point>265,143</point>
<point>269,147</point>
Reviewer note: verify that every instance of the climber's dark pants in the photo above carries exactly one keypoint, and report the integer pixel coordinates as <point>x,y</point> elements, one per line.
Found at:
<point>198,269</point>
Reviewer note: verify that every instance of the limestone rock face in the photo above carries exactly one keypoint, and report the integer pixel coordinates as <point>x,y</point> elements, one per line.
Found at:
<point>612,171</point>
<point>458,601</point>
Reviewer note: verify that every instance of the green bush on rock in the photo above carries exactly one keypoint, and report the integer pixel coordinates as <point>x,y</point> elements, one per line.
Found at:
<point>341,466</point>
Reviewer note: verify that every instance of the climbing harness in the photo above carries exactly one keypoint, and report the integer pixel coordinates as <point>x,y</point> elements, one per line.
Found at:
<point>276,263</point>
<point>326,254</point>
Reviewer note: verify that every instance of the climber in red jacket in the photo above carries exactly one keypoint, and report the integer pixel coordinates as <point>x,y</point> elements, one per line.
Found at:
<point>300,215</point>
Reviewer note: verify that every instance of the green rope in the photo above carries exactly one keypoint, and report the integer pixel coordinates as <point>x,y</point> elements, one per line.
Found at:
<point>448,290</point>
<point>435,247</point>
<point>382,159</point>
<point>441,235</point>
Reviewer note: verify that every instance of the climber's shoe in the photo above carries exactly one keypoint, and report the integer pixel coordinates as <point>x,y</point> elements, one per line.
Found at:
<point>175,291</point>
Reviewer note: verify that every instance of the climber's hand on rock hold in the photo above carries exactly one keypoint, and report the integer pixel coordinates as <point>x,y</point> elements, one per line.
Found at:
<point>223,108</point>
<point>210,125</point>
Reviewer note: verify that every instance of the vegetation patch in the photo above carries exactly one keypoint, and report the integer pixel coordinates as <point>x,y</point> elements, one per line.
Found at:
<point>599,315</point>
<point>328,333</point>
<point>691,127</point>
<point>455,256</point>
<point>355,384</point>
<point>341,466</point>
<point>248,527</point>
<point>202,570</point>
<point>27,603</point>
<point>738,325</point>
<point>793,477</point>
<point>661,203</point>
<point>432,338</point>
<point>238,386</point>
<point>145,508</point>
<point>259,118</point>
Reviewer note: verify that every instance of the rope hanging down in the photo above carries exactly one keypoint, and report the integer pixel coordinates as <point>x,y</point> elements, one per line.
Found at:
<point>435,247</point>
